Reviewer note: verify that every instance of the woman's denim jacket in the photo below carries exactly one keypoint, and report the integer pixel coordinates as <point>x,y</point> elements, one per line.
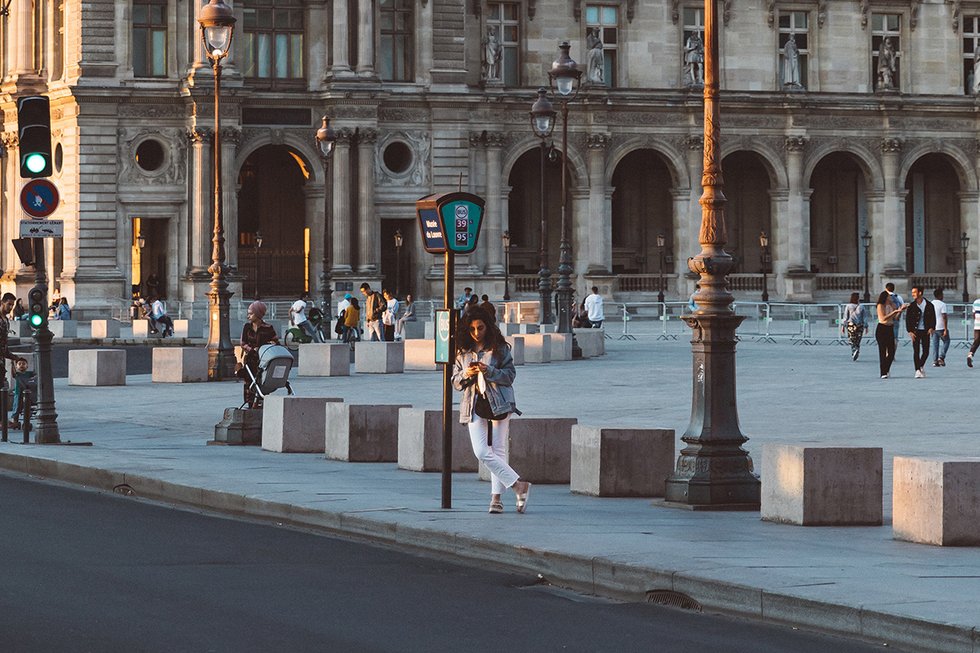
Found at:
<point>500,380</point>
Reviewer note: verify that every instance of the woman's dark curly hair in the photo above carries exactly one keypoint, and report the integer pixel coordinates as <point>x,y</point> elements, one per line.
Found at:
<point>493,340</point>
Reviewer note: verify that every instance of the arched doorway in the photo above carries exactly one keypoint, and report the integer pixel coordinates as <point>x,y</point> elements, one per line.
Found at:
<point>524,212</point>
<point>748,211</point>
<point>271,204</point>
<point>641,209</point>
<point>932,216</point>
<point>838,214</point>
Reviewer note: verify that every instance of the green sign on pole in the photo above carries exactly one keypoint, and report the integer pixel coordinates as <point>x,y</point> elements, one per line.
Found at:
<point>442,335</point>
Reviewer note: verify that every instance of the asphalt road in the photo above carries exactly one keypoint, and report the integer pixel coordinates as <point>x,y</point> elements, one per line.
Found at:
<point>84,571</point>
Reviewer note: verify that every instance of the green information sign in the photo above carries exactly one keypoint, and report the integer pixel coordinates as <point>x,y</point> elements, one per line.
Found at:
<point>450,222</point>
<point>442,335</point>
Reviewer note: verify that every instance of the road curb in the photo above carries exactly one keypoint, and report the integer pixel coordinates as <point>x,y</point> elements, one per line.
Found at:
<point>594,575</point>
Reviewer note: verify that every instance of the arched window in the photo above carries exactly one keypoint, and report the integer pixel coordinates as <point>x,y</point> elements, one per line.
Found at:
<point>272,40</point>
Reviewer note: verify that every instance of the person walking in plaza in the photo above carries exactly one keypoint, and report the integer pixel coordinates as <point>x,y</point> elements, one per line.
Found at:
<point>484,372</point>
<point>888,314</point>
<point>341,307</point>
<point>255,333</point>
<point>855,323</point>
<point>18,311</point>
<point>464,299</point>
<point>352,322</point>
<point>488,308</point>
<point>7,302</point>
<point>374,308</point>
<point>940,337</point>
<point>407,316</point>
<point>390,315</point>
<point>593,306</point>
<point>897,300</point>
<point>976,332</point>
<point>920,322</point>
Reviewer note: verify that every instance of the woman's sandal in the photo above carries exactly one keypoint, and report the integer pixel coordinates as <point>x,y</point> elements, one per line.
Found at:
<point>496,508</point>
<point>522,497</point>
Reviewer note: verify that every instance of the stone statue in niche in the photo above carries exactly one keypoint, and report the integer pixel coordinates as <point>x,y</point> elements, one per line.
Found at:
<point>791,64</point>
<point>975,84</point>
<point>492,52</point>
<point>694,60</point>
<point>596,62</point>
<point>886,66</point>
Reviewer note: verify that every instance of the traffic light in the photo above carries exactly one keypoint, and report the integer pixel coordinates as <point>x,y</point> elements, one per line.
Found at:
<point>34,135</point>
<point>37,308</point>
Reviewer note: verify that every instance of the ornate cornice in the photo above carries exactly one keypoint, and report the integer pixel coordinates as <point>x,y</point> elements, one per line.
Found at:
<point>694,142</point>
<point>495,139</point>
<point>231,135</point>
<point>345,135</point>
<point>200,134</point>
<point>9,139</point>
<point>598,141</point>
<point>795,143</point>
<point>367,136</point>
<point>891,145</point>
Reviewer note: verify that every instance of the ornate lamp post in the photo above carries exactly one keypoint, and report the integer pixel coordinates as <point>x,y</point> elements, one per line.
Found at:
<point>564,75</point>
<point>764,255</point>
<point>217,27</point>
<point>325,139</point>
<point>258,268</point>
<point>505,238</point>
<point>713,471</point>
<point>866,242</point>
<point>543,123</point>
<point>964,243</point>
<point>398,261</point>
<point>661,243</point>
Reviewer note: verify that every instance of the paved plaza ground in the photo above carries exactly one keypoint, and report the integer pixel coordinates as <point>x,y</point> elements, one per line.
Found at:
<point>857,581</point>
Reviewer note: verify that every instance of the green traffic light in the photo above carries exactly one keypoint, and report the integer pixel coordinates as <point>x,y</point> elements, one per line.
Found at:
<point>36,320</point>
<point>35,162</point>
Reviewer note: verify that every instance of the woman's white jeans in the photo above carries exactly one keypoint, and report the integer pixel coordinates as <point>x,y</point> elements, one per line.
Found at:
<point>494,458</point>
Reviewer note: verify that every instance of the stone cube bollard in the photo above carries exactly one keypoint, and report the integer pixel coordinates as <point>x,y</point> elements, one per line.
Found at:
<point>141,328</point>
<point>621,462</point>
<point>293,424</point>
<point>420,441</point>
<point>516,348</point>
<point>191,329</point>
<point>324,359</point>
<point>379,357</point>
<point>63,328</point>
<point>537,348</point>
<point>592,342</point>
<point>362,433</point>
<point>821,486</point>
<point>97,367</point>
<point>102,329</point>
<point>420,355</point>
<point>414,330</point>
<point>936,500</point>
<point>561,346</point>
<point>540,449</point>
<point>180,364</point>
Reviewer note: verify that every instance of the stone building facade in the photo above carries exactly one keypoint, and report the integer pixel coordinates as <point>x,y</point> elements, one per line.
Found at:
<point>838,118</point>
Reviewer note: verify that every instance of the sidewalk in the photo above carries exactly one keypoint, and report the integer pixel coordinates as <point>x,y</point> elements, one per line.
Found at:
<point>853,581</point>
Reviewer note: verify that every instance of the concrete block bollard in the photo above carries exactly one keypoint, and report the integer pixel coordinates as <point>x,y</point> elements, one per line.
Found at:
<point>63,328</point>
<point>537,348</point>
<point>102,329</point>
<point>821,486</point>
<point>621,462</point>
<point>97,367</point>
<point>540,449</point>
<point>141,328</point>
<point>324,359</point>
<point>516,348</point>
<point>362,433</point>
<point>21,329</point>
<point>936,500</point>
<point>592,342</point>
<point>414,330</point>
<point>293,424</point>
<point>192,329</point>
<point>420,355</point>
<point>420,442</point>
<point>561,346</point>
<point>180,364</point>
<point>379,357</point>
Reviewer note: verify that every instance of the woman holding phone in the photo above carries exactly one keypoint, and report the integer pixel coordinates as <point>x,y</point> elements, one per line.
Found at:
<point>484,372</point>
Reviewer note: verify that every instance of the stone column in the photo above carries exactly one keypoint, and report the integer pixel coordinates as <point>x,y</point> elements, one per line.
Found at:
<point>689,221</point>
<point>682,203</point>
<point>21,24</point>
<point>892,230</point>
<point>201,199</point>
<point>341,25</point>
<point>230,138</point>
<point>969,223</point>
<point>875,227</point>
<point>365,38</point>
<point>316,223</point>
<point>493,228</point>
<point>369,236</point>
<point>341,202</point>
<point>796,257</point>
<point>598,256</point>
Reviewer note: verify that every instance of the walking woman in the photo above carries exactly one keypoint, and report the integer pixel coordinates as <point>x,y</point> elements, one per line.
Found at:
<point>855,322</point>
<point>484,372</point>
<point>888,313</point>
<point>255,333</point>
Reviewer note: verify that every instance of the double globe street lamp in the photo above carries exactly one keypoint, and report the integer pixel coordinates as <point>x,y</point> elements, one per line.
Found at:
<point>866,243</point>
<point>325,140</point>
<point>505,239</point>
<point>542,124</point>
<point>765,258</point>
<point>964,243</point>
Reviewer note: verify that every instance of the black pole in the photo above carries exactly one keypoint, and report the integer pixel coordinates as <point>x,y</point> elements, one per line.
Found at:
<point>867,294</point>
<point>564,290</point>
<point>544,274</point>
<point>507,273</point>
<point>47,416</point>
<point>447,386</point>
<point>398,270</point>
<point>765,270</point>
<point>966,294</point>
<point>660,295</point>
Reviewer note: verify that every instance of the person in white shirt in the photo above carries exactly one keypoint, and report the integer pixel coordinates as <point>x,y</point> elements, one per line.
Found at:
<point>976,332</point>
<point>593,305</point>
<point>390,316</point>
<point>297,315</point>
<point>940,337</point>
<point>158,316</point>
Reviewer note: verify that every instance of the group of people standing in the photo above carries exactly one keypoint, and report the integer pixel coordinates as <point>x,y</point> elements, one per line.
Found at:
<point>382,321</point>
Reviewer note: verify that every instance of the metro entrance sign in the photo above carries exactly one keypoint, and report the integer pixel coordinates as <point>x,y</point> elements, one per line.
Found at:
<point>39,198</point>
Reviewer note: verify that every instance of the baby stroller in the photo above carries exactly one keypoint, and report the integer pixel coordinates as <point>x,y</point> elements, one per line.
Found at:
<point>275,363</point>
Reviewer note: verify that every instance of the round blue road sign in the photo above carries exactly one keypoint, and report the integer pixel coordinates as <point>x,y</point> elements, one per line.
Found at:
<point>39,198</point>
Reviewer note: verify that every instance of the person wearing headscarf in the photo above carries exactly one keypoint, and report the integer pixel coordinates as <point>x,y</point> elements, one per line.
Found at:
<point>255,333</point>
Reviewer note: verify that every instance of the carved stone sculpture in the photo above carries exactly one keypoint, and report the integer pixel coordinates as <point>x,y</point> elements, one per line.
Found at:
<point>596,61</point>
<point>694,60</point>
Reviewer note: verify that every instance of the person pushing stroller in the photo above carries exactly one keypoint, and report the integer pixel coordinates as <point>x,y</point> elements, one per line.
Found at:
<point>255,333</point>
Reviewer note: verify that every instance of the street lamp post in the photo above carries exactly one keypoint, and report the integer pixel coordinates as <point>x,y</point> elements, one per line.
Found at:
<point>866,242</point>
<point>661,243</point>
<point>564,75</point>
<point>764,255</point>
<point>398,261</point>
<point>258,268</point>
<point>505,238</point>
<point>217,27</point>
<point>543,123</point>
<point>325,139</point>
<point>713,470</point>
<point>964,243</point>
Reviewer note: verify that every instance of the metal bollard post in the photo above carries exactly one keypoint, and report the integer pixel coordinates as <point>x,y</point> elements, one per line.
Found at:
<point>3,410</point>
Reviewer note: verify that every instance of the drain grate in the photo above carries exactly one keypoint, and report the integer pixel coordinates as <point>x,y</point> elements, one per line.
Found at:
<point>124,490</point>
<point>673,599</point>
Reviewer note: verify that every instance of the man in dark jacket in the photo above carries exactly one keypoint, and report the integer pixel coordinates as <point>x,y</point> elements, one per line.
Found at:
<point>920,322</point>
<point>374,307</point>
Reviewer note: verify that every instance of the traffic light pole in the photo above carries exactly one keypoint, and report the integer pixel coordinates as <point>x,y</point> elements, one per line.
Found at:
<point>47,416</point>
